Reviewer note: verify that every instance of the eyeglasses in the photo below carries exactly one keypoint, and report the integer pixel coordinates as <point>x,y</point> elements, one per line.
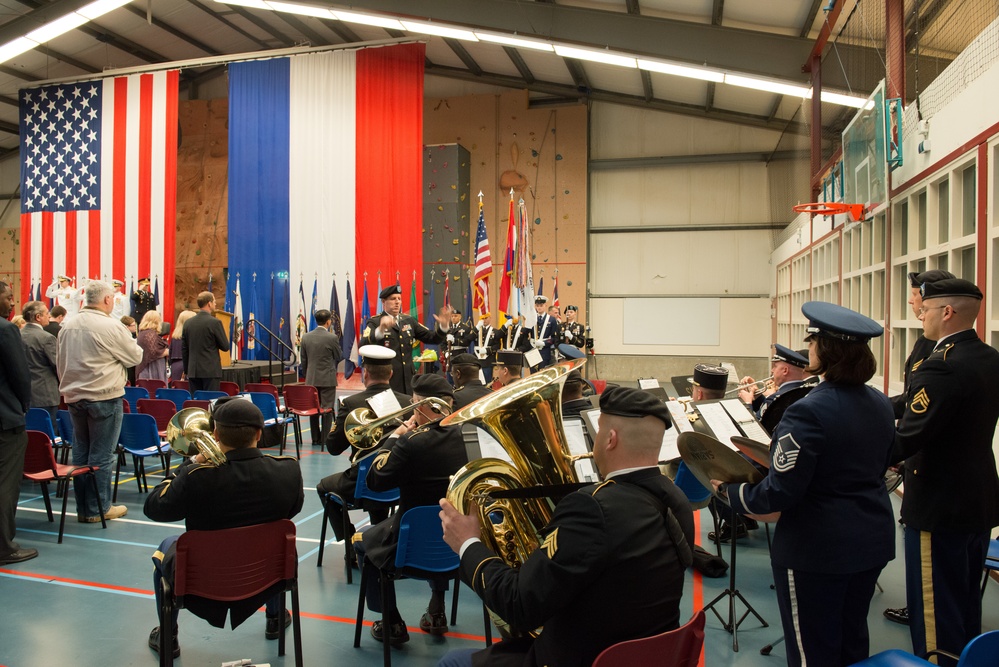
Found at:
<point>923,309</point>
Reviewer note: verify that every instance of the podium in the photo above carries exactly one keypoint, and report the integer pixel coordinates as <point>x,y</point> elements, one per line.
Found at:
<point>226,319</point>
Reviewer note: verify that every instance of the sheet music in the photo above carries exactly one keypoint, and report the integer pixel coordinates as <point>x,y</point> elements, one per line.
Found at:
<point>384,403</point>
<point>489,447</point>
<point>680,420</point>
<point>575,439</point>
<point>669,451</point>
<point>744,418</point>
<point>733,376</point>
<point>719,422</point>
<point>586,471</point>
<point>648,383</point>
<point>591,417</point>
<point>533,358</point>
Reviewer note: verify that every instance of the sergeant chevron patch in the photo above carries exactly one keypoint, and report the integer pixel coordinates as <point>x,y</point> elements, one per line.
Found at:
<point>787,453</point>
<point>920,402</point>
<point>550,545</point>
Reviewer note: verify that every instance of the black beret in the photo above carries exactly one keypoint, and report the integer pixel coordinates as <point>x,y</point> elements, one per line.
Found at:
<point>465,359</point>
<point>568,308</point>
<point>917,279</point>
<point>950,287</point>
<point>710,377</point>
<point>389,291</point>
<point>789,356</point>
<point>235,411</point>
<point>510,358</point>
<point>627,402</point>
<point>431,384</point>
<point>832,321</point>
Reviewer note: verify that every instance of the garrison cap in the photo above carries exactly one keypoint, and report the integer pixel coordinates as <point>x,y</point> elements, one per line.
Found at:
<point>234,411</point>
<point>917,279</point>
<point>431,384</point>
<point>710,377</point>
<point>465,359</point>
<point>376,355</point>
<point>627,402</point>
<point>572,308</point>
<point>389,291</point>
<point>950,287</point>
<point>789,356</point>
<point>541,298</point>
<point>831,321</point>
<point>509,358</point>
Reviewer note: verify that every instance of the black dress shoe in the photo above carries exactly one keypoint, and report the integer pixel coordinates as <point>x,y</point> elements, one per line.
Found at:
<point>18,556</point>
<point>726,533</point>
<point>154,642</point>
<point>273,630</point>
<point>400,635</point>
<point>900,615</point>
<point>434,624</point>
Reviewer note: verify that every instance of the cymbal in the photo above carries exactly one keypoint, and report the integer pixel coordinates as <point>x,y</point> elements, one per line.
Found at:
<point>754,449</point>
<point>709,459</point>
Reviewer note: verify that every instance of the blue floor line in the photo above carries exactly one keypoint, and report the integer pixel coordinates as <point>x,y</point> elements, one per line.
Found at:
<point>84,537</point>
<point>28,500</point>
<point>99,589</point>
<point>299,522</point>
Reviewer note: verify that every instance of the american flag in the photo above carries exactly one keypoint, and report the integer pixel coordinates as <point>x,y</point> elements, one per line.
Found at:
<point>483,269</point>
<point>99,180</point>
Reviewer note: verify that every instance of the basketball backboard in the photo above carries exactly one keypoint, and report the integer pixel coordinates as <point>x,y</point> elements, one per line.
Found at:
<point>865,164</point>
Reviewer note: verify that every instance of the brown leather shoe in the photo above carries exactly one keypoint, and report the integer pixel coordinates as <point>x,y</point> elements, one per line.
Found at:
<point>434,624</point>
<point>400,635</point>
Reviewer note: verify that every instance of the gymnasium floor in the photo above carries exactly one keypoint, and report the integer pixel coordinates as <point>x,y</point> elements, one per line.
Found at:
<point>89,600</point>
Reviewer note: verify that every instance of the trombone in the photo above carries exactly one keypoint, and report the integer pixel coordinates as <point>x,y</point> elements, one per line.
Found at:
<point>762,386</point>
<point>364,429</point>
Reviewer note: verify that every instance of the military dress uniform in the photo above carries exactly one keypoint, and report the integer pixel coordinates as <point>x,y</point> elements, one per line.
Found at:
<point>572,333</point>
<point>836,529</point>
<point>605,548</point>
<point>491,342</point>
<point>545,334</point>
<point>67,297</point>
<point>469,392</point>
<point>951,499</point>
<point>458,338</point>
<point>142,302</point>
<point>400,338</point>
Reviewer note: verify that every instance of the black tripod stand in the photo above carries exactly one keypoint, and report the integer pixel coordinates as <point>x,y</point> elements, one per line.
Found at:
<point>731,593</point>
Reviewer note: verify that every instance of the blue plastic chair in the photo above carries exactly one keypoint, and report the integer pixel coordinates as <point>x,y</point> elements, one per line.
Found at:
<point>65,422</point>
<point>206,395</point>
<point>178,396</point>
<point>140,437</point>
<point>980,652</point>
<point>38,419</point>
<point>698,495</point>
<point>268,406</point>
<point>361,493</point>
<point>421,553</point>
<point>991,562</point>
<point>133,394</point>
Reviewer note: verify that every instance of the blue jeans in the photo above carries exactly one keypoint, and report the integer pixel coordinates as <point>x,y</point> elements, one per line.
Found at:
<point>96,425</point>
<point>458,657</point>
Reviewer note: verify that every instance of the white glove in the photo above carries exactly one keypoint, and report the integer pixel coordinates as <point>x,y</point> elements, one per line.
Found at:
<point>538,344</point>
<point>481,351</point>
<point>450,338</point>
<point>568,335</point>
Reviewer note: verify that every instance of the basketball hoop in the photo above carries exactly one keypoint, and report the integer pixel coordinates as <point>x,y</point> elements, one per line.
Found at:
<point>856,211</point>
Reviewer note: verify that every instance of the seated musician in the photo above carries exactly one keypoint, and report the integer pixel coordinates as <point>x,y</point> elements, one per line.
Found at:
<point>249,489</point>
<point>419,458</point>
<point>573,401</point>
<point>377,361</point>
<point>467,385</point>
<point>624,543</point>
<point>787,372</point>
<point>508,367</point>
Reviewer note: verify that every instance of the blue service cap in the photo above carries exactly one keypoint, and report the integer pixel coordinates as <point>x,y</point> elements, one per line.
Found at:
<point>789,356</point>
<point>832,321</point>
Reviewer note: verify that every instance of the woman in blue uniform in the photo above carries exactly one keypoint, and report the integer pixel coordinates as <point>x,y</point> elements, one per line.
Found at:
<point>835,531</point>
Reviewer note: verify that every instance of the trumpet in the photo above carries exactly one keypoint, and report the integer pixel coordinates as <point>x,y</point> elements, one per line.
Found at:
<point>762,386</point>
<point>364,429</point>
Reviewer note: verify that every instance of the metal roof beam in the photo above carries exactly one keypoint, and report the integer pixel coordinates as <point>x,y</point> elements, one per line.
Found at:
<point>519,62</point>
<point>222,19</point>
<point>463,55</point>
<point>166,27</point>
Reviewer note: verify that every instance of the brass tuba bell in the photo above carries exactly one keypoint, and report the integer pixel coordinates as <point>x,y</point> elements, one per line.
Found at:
<point>189,433</point>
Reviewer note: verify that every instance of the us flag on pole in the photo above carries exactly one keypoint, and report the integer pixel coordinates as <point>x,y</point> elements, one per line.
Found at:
<point>483,269</point>
<point>99,181</point>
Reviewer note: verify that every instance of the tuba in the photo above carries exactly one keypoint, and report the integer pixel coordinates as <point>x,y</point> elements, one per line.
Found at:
<point>189,433</point>
<point>525,417</point>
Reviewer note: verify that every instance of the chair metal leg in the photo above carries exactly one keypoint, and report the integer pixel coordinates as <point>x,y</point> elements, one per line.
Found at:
<point>454,599</point>
<point>97,493</point>
<point>140,472</point>
<point>281,624</point>
<point>62,520</point>
<point>348,546</point>
<point>322,533</point>
<point>166,627</point>
<point>360,607</point>
<point>48,503</point>
<point>117,473</point>
<point>487,625</point>
<point>386,626</point>
<point>296,621</point>
<point>298,437</point>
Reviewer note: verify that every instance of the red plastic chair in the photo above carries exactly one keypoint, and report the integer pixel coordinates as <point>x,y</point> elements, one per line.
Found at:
<point>230,388</point>
<point>161,409</point>
<point>151,385</point>
<point>194,403</point>
<point>180,384</point>
<point>266,388</point>
<point>40,466</point>
<point>125,407</point>
<point>302,400</point>
<point>256,559</point>
<point>677,648</point>
<point>599,385</point>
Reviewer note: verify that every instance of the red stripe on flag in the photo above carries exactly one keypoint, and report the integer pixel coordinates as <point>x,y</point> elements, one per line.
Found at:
<point>94,244</point>
<point>170,196</point>
<point>118,176</point>
<point>145,169</point>
<point>25,257</point>
<point>48,243</point>
<point>70,243</point>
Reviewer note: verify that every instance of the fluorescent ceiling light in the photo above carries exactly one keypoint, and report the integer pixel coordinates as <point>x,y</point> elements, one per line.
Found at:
<point>53,29</point>
<point>682,70</point>
<point>15,48</point>
<point>605,57</point>
<point>100,8</point>
<point>768,85</point>
<point>367,19</point>
<point>252,4</point>
<point>846,100</point>
<point>439,30</point>
<point>304,10</point>
<point>517,42</point>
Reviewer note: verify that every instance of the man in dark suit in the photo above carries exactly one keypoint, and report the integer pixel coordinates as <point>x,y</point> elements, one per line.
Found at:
<point>320,354</point>
<point>56,316</point>
<point>951,500</point>
<point>251,488</point>
<point>418,458</point>
<point>397,331</point>
<point>15,397</point>
<point>467,386</point>
<point>623,543</point>
<point>203,338</point>
<point>41,350</point>
<point>377,373</point>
